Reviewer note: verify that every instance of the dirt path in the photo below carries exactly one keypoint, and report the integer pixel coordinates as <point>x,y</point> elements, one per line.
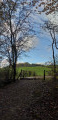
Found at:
<point>18,103</point>
<point>15,98</point>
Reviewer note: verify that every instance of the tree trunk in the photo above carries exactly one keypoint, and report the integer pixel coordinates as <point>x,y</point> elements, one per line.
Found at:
<point>54,62</point>
<point>14,72</point>
<point>44,74</point>
<point>14,54</point>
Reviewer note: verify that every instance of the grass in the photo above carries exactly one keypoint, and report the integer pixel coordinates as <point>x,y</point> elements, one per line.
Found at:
<point>31,71</point>
<point>28,72</point>
<point>39,70</point>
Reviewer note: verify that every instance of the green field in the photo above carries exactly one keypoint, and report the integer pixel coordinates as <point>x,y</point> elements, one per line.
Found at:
<point>28,71</point>
<point>39,70</point>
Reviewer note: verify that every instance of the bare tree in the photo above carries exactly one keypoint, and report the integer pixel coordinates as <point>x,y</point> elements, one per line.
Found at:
<point>49,7</point>
<point>14,30</point>
<point>53,30</point>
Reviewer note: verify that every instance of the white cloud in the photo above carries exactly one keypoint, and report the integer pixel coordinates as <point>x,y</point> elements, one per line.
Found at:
<point>42,63</point>
<point>20,62</point>
<point>36,18</point>
<point>4,63</point>
<point>53,17</point>
<point>30,42</point>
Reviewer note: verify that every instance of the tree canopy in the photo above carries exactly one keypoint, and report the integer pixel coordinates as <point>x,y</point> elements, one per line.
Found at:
<point>47,6</point>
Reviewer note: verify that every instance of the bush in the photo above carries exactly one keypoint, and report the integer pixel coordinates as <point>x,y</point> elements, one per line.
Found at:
<point>24,73</point>
<point>6,75</point>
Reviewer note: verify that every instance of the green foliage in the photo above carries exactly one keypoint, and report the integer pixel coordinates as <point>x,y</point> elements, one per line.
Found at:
<point>35,71</point>
<point>6,75</point>
<point>25,73</point>
<point>51,71</point>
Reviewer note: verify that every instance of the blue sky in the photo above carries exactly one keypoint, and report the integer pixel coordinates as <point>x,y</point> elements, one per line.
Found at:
<point>41,53</point>
<point>43,49</point>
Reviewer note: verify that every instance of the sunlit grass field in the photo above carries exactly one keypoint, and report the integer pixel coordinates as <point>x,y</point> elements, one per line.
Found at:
<point>32,71</point>
<point>39,70</point>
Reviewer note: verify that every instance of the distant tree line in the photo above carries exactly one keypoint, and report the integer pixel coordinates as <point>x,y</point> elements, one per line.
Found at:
<point>28,65</point>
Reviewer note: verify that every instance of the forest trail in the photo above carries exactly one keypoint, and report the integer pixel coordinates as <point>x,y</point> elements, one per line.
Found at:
<point>26,100</point>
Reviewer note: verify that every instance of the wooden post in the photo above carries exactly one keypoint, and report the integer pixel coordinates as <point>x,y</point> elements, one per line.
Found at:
<point>44,74</point>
